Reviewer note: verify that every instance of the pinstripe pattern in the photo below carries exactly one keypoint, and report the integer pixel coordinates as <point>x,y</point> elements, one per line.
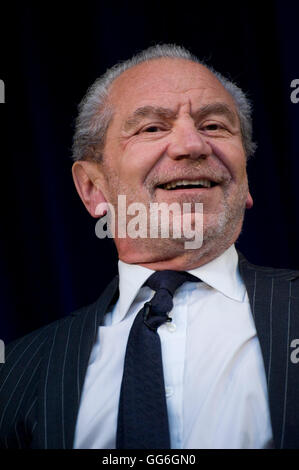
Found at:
<point>63,386</point>
<point>21,401</point>
<point>27,415</point>
<point>45,388</point>
<point>18,386</point>
<point>254,297</point>
<point>42,379</point>
<point>271,332</point>
<point>287,370</point>
<point>274,297</point>
<point>8,401</point>
<point>78,361</point>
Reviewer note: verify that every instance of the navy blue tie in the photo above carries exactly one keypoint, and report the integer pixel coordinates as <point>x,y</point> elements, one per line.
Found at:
<point>142,414</point>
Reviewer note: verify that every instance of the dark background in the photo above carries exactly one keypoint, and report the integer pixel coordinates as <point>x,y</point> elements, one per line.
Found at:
<point>50,259</point>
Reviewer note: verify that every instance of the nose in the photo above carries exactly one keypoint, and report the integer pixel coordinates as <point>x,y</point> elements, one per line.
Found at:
<point>187,142</point>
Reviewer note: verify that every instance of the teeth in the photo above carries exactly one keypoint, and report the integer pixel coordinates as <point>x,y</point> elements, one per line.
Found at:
<point>203,182</point>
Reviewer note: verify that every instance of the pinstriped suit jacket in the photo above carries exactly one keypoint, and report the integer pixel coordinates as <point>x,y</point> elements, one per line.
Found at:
<point>42,379</point>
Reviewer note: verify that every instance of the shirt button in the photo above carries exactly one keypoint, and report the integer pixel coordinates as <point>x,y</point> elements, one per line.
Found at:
<point>168,392</point>
<point>171,327</point>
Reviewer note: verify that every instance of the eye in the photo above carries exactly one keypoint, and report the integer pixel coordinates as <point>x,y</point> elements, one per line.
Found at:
<point>152,129</point>
<point>212,127</point>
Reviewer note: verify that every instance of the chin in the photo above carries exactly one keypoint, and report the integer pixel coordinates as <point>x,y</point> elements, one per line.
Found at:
<point>221,229</point>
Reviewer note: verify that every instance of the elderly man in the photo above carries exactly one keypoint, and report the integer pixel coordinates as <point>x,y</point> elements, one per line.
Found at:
<point>187,348</point>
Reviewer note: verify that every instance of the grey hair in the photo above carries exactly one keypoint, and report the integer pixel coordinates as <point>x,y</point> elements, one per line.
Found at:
<point>95,113</point>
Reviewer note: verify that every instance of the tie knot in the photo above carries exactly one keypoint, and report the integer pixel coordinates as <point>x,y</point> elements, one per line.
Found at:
<point>165,284</point>
<point>169,280</point>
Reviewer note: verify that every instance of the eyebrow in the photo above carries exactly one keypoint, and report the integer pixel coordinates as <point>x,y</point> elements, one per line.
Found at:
<point>221,109</point>
<point>149,111</point>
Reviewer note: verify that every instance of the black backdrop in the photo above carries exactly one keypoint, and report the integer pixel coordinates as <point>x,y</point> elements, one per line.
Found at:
<point>51,261</point>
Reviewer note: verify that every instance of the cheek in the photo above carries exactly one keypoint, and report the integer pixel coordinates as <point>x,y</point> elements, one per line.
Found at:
<point>140,158</point>
<point>238,158</point>
<point>232,156</point>
<point>237,167</point>
<point>241,169</point>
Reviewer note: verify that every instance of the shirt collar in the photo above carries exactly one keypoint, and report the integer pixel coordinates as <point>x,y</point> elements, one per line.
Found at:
<point>221,273</point>
<point>131,279</point>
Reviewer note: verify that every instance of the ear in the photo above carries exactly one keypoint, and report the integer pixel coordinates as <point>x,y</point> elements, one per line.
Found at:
<point>88,180</point>
<point>249,201</point>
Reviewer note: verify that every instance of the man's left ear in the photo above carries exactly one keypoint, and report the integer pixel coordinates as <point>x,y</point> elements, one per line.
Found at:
<point>249,201</point>
<point>88,180</point>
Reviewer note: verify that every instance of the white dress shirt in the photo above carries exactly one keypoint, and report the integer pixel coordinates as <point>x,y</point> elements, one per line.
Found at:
<point>213,368</point>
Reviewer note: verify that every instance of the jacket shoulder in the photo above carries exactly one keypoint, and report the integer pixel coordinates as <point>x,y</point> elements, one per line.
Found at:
<point>36,366</point>
<point>25,345</point>
<point>19,381</point>
<point>279,273</point>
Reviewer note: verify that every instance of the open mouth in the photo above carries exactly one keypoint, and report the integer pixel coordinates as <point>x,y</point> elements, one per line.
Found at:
<point>188,184</point>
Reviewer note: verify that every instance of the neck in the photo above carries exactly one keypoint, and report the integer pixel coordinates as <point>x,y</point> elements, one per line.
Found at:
<point>171,254</point>
<point>182,261</point>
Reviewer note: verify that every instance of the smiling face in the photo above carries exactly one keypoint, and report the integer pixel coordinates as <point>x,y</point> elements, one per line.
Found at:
<point>175,137</point>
